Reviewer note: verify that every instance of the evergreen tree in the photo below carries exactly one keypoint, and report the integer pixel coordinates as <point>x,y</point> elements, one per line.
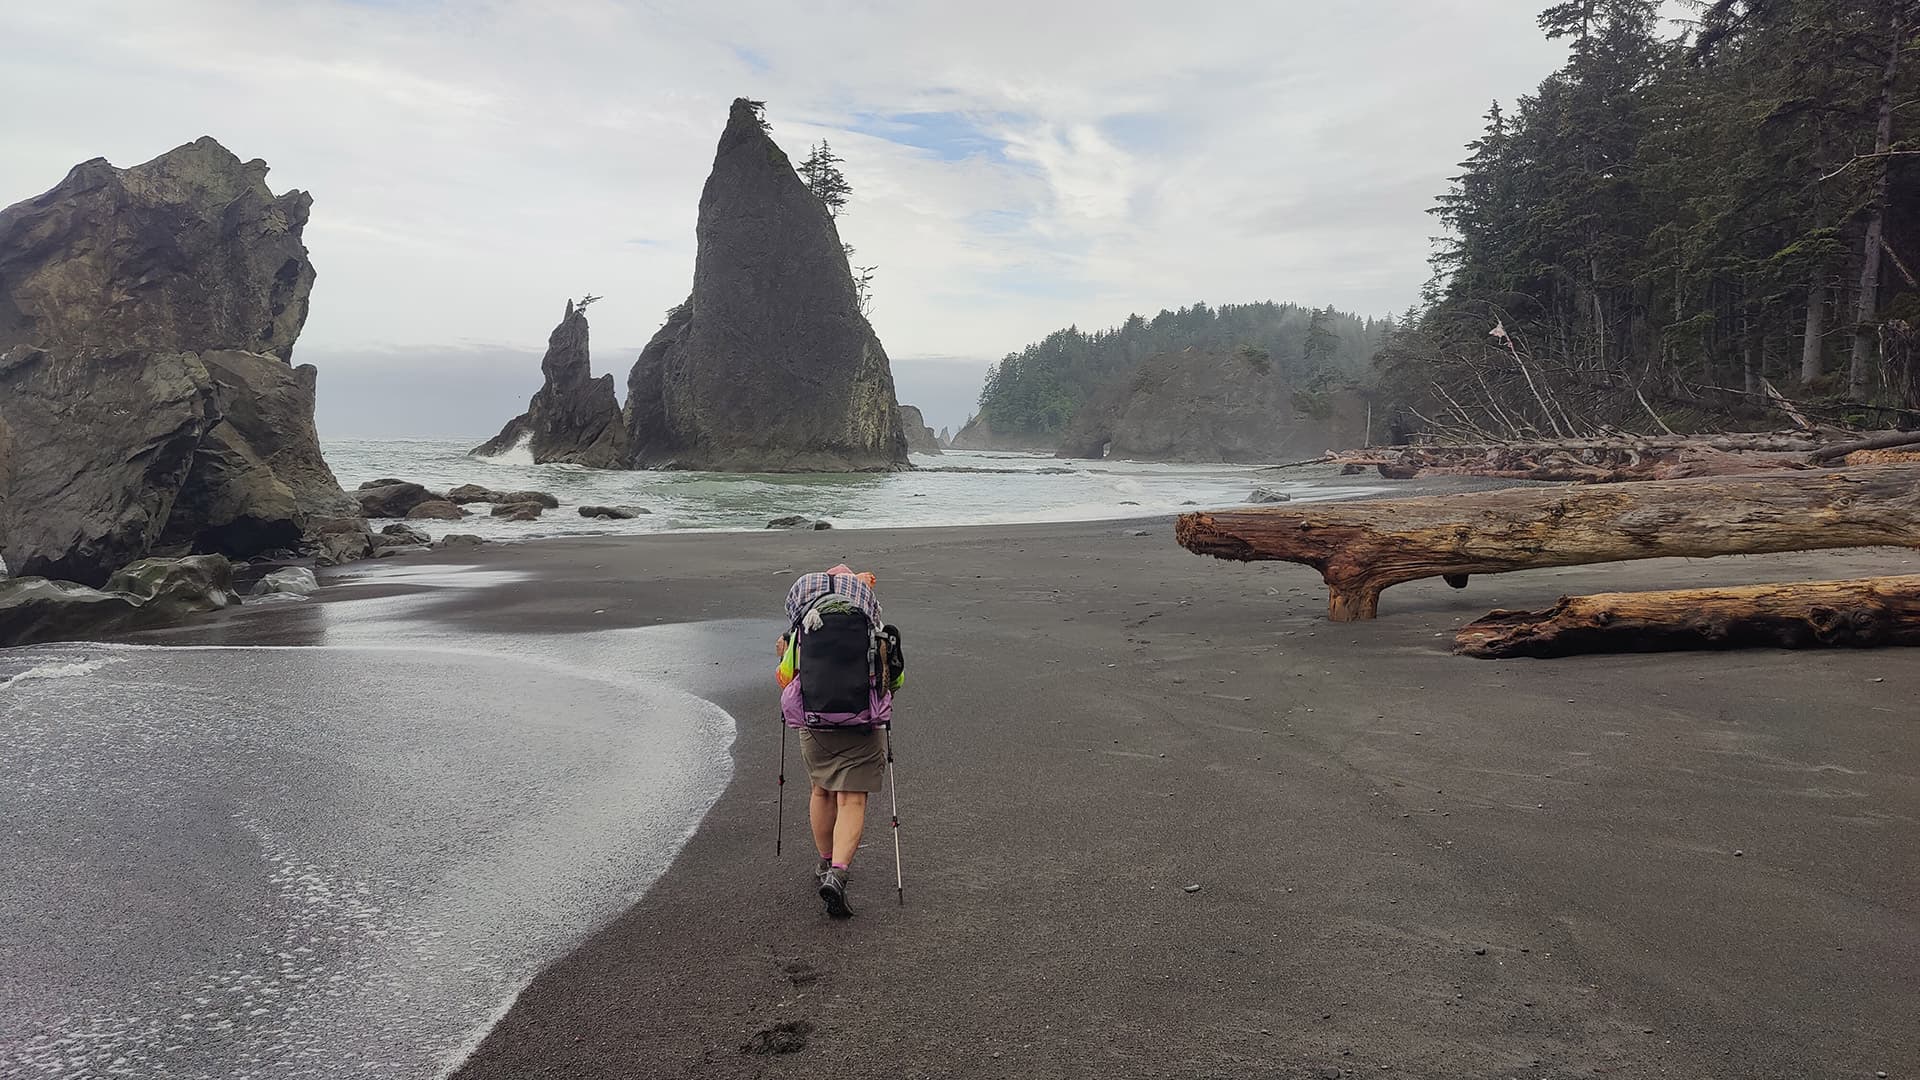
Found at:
<point>821,173</point>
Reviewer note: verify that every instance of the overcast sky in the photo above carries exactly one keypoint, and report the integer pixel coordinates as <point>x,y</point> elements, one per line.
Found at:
<point>1017,166</point>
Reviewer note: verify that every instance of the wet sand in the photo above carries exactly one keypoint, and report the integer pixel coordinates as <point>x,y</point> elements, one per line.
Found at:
<point>1408,863</point>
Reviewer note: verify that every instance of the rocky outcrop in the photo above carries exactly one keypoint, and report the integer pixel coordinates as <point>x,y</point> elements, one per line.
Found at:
<point>978,434</point>
<point>573,418</point>
<point>133,453</point>
<point>769,365</point>
<point>920,437</point>
<point>189,252</point>
<point>146,318</point>
<point>945,438</point>
<point>1210,405</point>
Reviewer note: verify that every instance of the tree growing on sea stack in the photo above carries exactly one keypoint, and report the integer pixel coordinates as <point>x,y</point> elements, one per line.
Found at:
<point>769,365</point>
<point>573,418</point>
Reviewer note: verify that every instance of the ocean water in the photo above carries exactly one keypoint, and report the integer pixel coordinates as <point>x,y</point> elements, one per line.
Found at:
<point>1007,488</point>
<point>340,860</point>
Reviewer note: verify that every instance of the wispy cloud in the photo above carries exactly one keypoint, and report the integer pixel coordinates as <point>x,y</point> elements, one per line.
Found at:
<point>1016,166</point>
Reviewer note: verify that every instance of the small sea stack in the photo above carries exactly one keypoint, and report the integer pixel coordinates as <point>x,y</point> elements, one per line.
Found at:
<point>573,418</point>
<point>920,437</point>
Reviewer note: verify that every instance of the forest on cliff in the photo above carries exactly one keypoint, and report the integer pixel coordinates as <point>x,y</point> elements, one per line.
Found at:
<point>1035,392</point>
<point>1688,221</point>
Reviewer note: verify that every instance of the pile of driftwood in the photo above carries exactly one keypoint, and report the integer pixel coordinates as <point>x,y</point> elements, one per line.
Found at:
<point>1631,458</point>
<point>1362,548</point>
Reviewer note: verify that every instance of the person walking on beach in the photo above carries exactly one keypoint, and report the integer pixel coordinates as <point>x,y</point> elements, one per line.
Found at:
<point>839,667</point>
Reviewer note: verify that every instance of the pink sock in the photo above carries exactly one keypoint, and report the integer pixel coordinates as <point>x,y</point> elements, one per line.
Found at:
<point>839,866</point>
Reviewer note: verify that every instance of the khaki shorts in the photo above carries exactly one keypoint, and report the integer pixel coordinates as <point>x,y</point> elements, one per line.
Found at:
<point>845,759</point>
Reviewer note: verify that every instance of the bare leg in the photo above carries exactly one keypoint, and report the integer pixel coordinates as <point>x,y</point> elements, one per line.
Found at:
<point>848,819</point>
<point>822,811</point>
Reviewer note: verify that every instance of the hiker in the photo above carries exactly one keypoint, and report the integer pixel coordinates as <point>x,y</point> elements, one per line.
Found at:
<point>839,667</point>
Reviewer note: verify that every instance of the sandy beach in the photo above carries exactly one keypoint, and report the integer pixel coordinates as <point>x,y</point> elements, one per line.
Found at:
<point>1408,863</point>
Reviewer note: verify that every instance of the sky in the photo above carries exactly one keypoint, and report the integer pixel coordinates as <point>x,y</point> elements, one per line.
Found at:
<point>1016,167</point>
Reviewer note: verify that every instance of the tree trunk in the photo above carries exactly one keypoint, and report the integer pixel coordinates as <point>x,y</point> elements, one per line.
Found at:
<point>1815,615</point>
<point>1811,339</point>
<point>1868,300</point>
<point>1362,548</point>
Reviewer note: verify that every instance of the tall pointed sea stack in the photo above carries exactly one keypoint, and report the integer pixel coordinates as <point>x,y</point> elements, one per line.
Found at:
<point>769,365</point>
<point>573,418</point>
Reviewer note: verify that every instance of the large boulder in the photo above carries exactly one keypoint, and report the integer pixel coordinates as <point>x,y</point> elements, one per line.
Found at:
<point>436,510</point>
<point>573,418</point>
<point>394,500</point>
<point>1204,405</point>
<point>920,437</point>
<point>146,317</point>
<point>145,593</point>
<point>189,252</point>
<point>36,609</point>
<point>289,581</point>
<point>769,365</point>
<point>169,590</point>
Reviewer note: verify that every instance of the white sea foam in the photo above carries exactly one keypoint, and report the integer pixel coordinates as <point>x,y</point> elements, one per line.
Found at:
<point>60,669</point>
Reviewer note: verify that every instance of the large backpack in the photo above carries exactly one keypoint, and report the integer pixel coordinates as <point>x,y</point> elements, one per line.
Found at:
<point>845,668</point>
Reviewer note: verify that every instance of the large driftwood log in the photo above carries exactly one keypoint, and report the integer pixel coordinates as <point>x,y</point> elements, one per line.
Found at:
<point>1815,615</point>
<point>1361,548</point>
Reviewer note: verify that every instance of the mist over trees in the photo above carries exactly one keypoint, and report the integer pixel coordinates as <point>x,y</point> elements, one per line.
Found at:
<point>1686,215</point>
<point>1036,391</point>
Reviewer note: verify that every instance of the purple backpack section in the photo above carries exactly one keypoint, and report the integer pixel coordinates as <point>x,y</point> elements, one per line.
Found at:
<point>794,711</point>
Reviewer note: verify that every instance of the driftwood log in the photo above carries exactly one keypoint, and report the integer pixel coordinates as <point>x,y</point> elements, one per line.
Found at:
<point>1815,615</point>
<point>1619,459</point>
<point>1361,548</point>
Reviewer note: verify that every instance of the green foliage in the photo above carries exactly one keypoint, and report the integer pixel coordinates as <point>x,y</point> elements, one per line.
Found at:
<point>821,173</point>
<point>1668,205</point>
<point>1036,391</point>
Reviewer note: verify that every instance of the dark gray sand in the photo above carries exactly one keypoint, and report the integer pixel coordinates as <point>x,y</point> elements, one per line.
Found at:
<point>1408,863</point>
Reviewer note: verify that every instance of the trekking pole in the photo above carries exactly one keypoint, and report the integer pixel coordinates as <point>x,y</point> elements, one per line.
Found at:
<point>780,806</point>
<point>893,792</point>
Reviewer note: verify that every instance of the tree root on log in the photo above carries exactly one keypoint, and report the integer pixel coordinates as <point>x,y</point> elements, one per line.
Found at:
<point>1362,548</point>
<point>1860,613</point>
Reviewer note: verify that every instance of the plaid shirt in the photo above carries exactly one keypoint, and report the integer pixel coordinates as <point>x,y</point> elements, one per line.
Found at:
<point>811,588</point>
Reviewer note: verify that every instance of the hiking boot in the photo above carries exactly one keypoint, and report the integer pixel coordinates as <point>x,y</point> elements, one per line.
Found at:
<point>833,891</point>
<point>820,870</point>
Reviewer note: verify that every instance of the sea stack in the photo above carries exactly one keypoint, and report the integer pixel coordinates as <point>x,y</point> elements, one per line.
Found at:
<point>920,437</point>
<point>769,365</point>
<point>147,318</point>
<point>573,418</point>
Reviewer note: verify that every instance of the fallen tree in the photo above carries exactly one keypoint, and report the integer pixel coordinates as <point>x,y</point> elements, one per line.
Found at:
<point>1362,548</point>
<point>1619,459</point>
<point>1861,613</point>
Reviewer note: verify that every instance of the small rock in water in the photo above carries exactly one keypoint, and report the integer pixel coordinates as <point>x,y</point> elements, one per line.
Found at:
<point>1268,495</point>
<point>616,513</point>
<point>461,540</point>
<point>436,510</point>
<point>518,511</point>
<point>798,521</point>
<point>1192,888</point>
